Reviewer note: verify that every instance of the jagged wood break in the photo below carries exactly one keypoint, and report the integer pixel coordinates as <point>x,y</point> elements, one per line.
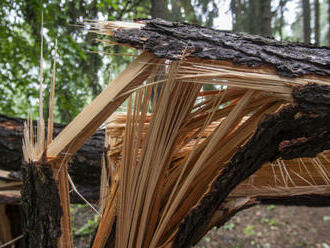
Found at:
<point>271,101</point>
<point>293,75</point>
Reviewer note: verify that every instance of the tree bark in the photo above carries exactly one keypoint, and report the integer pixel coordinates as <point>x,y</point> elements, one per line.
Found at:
<point>265,18</point>
<point>317,21</point>
<point>84,166</point>
<point>306,21</point>
<point>169,40</point>
<point>41,206</point>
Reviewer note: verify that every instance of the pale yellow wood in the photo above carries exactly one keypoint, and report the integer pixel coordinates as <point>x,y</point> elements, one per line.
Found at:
<point>61,177</point>
<point>86,123</point>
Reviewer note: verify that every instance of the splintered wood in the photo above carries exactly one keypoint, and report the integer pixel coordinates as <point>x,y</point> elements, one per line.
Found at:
<point>282,175</point>
<point>181,152</point>
<point>173,142</point>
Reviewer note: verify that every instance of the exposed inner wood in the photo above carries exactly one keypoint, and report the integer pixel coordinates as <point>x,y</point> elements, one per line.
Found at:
<point>87,122</point>
<point>189,164</point>
<point>292,178</point>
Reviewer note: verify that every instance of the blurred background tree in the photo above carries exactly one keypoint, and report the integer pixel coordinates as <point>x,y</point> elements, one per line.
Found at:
<point>82,69</point>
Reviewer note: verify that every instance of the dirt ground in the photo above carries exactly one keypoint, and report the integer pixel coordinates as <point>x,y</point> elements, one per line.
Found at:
<point>257,227</point>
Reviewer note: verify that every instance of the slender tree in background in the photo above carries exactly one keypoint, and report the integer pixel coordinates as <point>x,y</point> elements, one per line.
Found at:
<point>317,21</point>
<point>329,22</point>
<point>281,18</point>
<point>176,11</point>
<point>78,74</point>
<point>253,17</point>
<point>79,70</point>
<point>306,21</point>
<point>265,18</point>
<point>159,9</point>
<point>236,10</point>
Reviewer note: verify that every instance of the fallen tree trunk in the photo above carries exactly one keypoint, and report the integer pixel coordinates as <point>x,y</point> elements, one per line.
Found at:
<point>298,130</point>
<point>84,166</point>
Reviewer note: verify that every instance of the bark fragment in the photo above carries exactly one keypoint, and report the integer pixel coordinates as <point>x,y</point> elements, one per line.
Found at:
<point>41,207</point>
<point>169,40</point>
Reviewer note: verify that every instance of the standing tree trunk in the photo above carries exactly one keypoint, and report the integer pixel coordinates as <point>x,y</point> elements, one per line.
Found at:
<point>282,5</point>
<point>253,17</point>
<point>265,18</point>
<point>317,21</point>
<point>236,8</point>
<point>175,12</point>
<point>306,21</point>
<point>159,9</point>
<point>329,22</point>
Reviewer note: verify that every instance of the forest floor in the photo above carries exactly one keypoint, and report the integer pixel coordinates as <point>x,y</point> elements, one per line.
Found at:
<point>258,227</point>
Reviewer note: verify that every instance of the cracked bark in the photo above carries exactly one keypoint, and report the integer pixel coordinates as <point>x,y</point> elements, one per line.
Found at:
<point>169,40</point>
<point>84,166</point>
<point>41,207</point>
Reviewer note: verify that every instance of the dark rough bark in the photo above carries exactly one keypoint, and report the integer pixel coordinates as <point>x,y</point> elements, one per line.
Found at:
<point>84,166</point>
<point>309,200</point>
<point>41,207</point>
<point>169,40</point>
<point>294,124</point>
<point>306,21</point>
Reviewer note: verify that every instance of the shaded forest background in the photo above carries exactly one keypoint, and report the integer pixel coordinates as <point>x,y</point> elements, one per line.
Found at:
<point>83,68</point>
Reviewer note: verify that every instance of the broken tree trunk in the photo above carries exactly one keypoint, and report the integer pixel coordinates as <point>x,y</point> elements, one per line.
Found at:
<point>267,74</point>
<point>45,177</point>
<point>84,167</point>
<point>171,40</point>
<point>296,74</point>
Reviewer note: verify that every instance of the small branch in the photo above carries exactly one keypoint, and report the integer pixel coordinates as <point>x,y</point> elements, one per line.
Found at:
<point>11,241</point>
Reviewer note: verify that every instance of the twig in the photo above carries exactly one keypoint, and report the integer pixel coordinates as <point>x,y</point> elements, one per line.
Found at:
<point>12,241</point>
<point>81,196</point>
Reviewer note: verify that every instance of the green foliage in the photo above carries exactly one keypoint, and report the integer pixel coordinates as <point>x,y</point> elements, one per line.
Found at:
<point>326,218</point>
<point>201,12</point>
<point>270,222</point>
<point>80,74</point>
<point>249,230</point>
<point>270,207</point>
<point>88,228</point>
<point>229,226</point>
